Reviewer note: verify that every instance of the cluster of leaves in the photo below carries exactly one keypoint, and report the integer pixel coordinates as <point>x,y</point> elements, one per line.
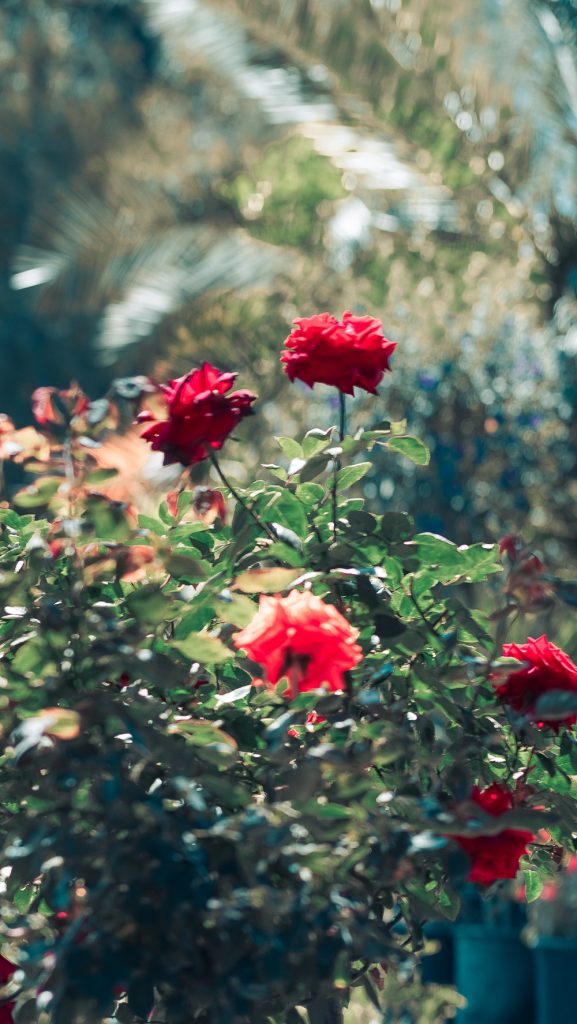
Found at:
<point>181,837</point>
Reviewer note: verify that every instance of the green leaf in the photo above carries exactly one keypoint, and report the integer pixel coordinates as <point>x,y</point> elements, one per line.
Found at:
<point>233,695</point>
<point>473,562</point>
<point>99,475</point>
<point>310,494</point>
<point>412,448</point>
<point>154,525</point>
<point>235,608</point>
<point>148,604</point>
<point>313,467</point>
<point>287,510</point>
<point>362,522</point>
<point>38,495</point>
<point>30,656</point>
<point>533,885</point>
<point>290,447</point>
<point>327,811</point>
<point>352,474</point>
<point>396,526</point>
<point>315,440</point>
<point>214,745</point>
<point>202,647</point>
<point>183,567</point>
<point>266,581</point>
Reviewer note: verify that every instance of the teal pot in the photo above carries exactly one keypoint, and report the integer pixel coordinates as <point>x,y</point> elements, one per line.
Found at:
<point>493,971</point>
<point>438,968</point>
<point>556,980</point>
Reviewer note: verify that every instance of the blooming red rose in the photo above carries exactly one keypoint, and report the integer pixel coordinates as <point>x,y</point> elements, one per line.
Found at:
<point>496,856</point>
<point>200,415</point>
<point>349,354</point>
<point>302,638</point>
<point>546,668</point>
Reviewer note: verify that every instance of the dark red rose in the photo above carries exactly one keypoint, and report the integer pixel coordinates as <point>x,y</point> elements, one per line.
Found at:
<point>496,856</point>
<point>546,668</point>
<point>200,415</point>
<point>349,354</point>
<point>6,971</point>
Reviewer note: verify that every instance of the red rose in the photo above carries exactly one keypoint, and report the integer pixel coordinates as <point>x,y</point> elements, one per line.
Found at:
<point>302,638</point>
<point>497,856</point>
<point>200,415</point>
<point>354,353</point>
<point>547,668</point>
<point>6,971</point>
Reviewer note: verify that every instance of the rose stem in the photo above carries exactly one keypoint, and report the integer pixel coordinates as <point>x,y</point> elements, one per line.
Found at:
<point>337,462</point>
<point>262,526</point>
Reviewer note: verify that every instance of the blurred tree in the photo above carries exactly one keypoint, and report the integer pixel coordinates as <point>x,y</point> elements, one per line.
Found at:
<point>383,155</point>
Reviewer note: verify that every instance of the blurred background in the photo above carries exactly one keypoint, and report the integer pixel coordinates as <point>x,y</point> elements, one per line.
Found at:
<point>181,178</point>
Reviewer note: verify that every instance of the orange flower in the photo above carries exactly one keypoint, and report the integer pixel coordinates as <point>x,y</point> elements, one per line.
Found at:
<point>302,638</point>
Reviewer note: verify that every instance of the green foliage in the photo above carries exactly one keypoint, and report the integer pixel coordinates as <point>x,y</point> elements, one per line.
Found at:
<point>278,205</point>
<point>184,835</point>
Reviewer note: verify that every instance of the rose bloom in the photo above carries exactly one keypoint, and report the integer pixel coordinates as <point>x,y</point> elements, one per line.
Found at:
<point>497,856</point>
<point>353,353</point>
<point>200,415</point>
<point>302,638</point>
<point>548,668</point>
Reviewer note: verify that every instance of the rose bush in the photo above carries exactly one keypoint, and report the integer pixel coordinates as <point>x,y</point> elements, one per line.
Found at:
<point>253,738</point>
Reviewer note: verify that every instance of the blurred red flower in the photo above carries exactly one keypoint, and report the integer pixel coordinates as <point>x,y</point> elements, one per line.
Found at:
<point>200,415</point>
<point>497,856</point>
<point>6,971</point>
<point>302,638</point>
<point>547,668</point>
<point>56,405</point>
<point>348,354</point>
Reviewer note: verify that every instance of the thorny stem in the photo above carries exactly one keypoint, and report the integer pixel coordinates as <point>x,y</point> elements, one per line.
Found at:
<point>262,526</point>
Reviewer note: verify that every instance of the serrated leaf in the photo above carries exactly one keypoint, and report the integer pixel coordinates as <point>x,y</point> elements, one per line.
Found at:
<point>412,448</point>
